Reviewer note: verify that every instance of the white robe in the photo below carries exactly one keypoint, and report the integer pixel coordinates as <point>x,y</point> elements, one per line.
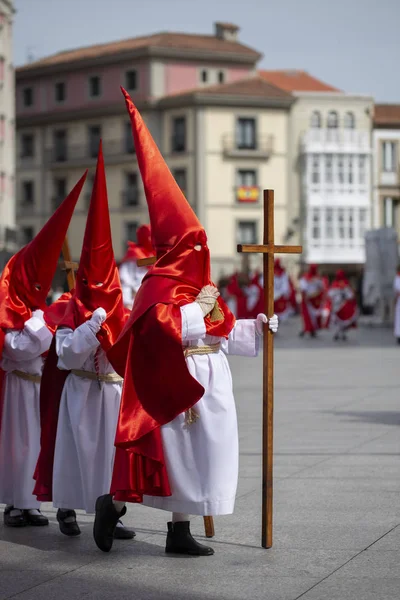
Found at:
<point>20,427</point>
<point>202,459</point>
<point>84,452</point>
<point>396,286</point>
<point>131,277</point>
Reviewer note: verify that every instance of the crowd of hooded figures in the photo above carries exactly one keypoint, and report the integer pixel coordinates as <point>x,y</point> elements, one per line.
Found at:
<point>120,392</point>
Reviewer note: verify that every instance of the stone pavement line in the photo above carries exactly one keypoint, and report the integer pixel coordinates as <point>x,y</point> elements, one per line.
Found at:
<point>346,562</point>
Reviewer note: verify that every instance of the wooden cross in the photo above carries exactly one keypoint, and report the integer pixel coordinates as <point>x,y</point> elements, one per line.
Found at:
<point>67,265</point>
<point>268,249</point>
<point>208,521</point>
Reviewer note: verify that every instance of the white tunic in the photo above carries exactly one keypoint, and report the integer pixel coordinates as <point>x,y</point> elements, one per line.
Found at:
<point>397,307</point>
<point>131,277</point>
<point>202,459</point>
<point>20,428</point>
<point>84,452</point>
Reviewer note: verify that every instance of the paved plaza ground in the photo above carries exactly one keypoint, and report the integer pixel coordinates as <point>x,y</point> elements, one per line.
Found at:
<point>337,497</point>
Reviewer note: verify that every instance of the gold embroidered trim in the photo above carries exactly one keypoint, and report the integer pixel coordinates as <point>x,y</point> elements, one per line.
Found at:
<point>211,349</point>
<point>108,378</point>
<point>27,376</point>
<point>216,314</point>
<point>191,416</point>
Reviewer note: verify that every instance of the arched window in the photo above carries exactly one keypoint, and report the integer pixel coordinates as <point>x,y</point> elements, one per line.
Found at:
<point>349,120</point>
<point>316,120</point>
<point>333,120</point>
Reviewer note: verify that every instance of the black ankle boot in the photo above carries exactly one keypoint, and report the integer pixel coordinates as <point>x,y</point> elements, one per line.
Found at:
<point>70,528</point>
<point>181,541</point>
<point>105,522</point>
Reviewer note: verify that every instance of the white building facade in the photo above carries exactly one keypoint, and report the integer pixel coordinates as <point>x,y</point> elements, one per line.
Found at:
<point>336,185</point>
<point>8,235</point>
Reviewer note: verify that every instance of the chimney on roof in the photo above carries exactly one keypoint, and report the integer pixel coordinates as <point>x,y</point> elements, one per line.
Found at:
<point>226,31</point>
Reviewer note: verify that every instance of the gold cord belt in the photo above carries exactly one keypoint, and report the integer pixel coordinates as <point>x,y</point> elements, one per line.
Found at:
<point>108,378</point>
<point>191,416</point>
<point>27,376</point>
<point>211,349</point>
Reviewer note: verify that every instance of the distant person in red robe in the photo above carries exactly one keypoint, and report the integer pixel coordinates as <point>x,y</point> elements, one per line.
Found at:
<point>313,293</point>
<point>343,305</point>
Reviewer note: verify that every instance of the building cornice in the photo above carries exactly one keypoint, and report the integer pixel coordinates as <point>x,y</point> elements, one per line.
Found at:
<point>25,72</point>
<point>333,96</point>
<point>223,100</point>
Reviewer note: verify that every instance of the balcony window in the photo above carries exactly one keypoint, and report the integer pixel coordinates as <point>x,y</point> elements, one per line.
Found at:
<point>316,224</point>
<point>340,165</point>
<point>130,231</point>
<point>329,224</point>
<point>129,144</point>
<point>349,121</point>
<point>131,191</point>
<point>246,232</point>
<point>333,120</point>
<point>246,134</point>
<point>350,174</point>
<point>181,179</point>
<point>246,185</point>
<point>389,157</point>
<point>178,142</point>
<point>341,227</point>
<point>329,168</point>
<point>28,234</point>
<point>390,206</point>
<point>94,135</point>
<point>60,91</point>
<point>94,86</point>
<point>28,193</point>
<point>362,170</point>
<point>316,120</point>
<point>60,145</point>
<point>362,220</point>
<point>351,224</point>
<point>131,80</point>
<point>27,96</point>
<point>27,145</point>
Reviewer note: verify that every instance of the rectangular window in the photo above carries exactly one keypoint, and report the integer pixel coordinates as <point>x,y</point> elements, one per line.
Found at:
<point>131,80</point>
<point>246,138</point>
<point>362,170</point>
<point>60,191</point>
<point>246,232</point>
<point>60,145</point>
<point>340,165</point>
<point>389,156</point>
<point>204,76</point>
<point>129,144</point>
<point>28,193</point>
<point>389,212</point>
<point>27,235</point>
<point>94,86</point>
<point>329,168</point>
<point>131,191</point>
<point>130,231</point>
<point>94,135</point>
<point>341,226</point>
<point>247,189</point>
<point>221,77</point>
<point>181,179</point>
<point>350,173</point>
<point>178,142</point>
<point>246,177</point>
<point>363,215</point>
<point>27,145</point>
<point>351,224</point>
<point>60,91</point>
<point>27,96</point>
<point>315,169</point>
<point>316,224</point>
<point>329,224</point>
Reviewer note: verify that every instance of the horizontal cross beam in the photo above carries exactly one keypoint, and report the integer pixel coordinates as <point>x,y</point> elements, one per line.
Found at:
<point>269,249</point>
<point>66,265</point>
<point>146,262</point>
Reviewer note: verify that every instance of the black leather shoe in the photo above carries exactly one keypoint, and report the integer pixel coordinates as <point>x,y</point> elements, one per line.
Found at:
<point>16,521</point>
<point>105,522</point>
<point>181,541</point>
<point>123,533</point>
<point>68,528</point>
<point>38,520</point>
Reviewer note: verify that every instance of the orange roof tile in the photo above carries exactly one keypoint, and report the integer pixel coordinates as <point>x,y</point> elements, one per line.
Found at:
<point>179,41</point>
<point>293,80</point>
<point>248,86</point>
<point>387,114</point>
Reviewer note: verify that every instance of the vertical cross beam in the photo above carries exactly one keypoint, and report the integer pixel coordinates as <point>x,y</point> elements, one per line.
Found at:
<point>268,249</point>
<point>67,265</point>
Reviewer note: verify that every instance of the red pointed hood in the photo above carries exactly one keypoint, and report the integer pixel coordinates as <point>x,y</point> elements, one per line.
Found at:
<point>27,277</point>
<point>142,248</point>
<point>97,280</point>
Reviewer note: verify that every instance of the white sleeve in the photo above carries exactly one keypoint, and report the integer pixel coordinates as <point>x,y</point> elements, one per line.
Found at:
<point>243,339</point>
<point>74,347</point>
<point>303,285</point>
<point>193,325</point>
<point>29,343</point>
